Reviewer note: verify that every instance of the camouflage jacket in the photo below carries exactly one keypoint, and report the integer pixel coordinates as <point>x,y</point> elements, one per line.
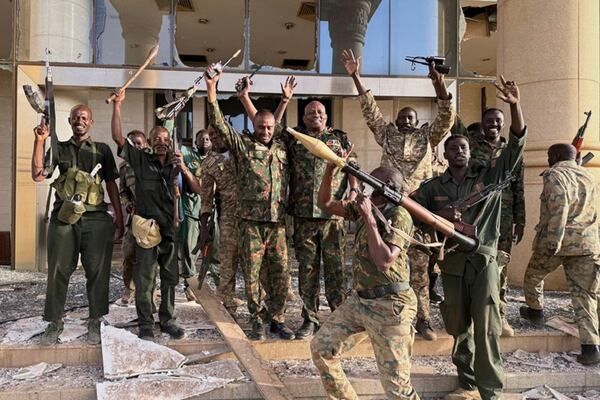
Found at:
<point>306,173</point>
<point>219,175</point>
<point>192,201</point>
<point>126,184</point>
<point>569,217</point>
<point>410,152</point>
<point>513,197</point>
<point>366,274</point>
<point>442,191</point>
<point>263,170</point>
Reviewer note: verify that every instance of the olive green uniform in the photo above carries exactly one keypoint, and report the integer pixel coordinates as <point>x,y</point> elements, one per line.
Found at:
<point>189,230</point>
<point>153,200</point>
<point>91,236</point>
<point>385,318</point>
<point>127,195</point>
<point>471,280</point>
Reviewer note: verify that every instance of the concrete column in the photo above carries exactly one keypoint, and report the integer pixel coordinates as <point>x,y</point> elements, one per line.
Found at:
<point>64,27</point>
<point>551,49</point>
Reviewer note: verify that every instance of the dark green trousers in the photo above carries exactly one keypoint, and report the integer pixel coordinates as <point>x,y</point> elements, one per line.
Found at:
<point>144,271</point>
<point>189,232</point>
<point>472,316</point>
<point>91,237</point>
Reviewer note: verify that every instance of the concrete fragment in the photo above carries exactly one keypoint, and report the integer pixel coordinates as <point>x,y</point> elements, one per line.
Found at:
<point>544,392</point>
<point>24,329</point>
<point>178,384</point>
<point>35,371</point>
<point>124,354</point>
<point>119,315</point>
<point>191,316</point>
<point>563,324</point>
<point>73,329</point>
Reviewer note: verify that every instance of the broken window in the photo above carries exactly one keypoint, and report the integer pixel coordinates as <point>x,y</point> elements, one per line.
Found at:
<point>209,31</point>
<point>125,36</point>
<point>478,40</point>
<point>283,34</point>
<point>362,26</point>
<point>474,97</point>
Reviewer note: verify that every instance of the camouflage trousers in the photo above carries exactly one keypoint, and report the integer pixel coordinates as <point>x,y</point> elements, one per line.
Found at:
<point>315,239</point>
<point>583,276</point>
<point>388,324</point>
<point>265,241</point>
<point>128,250</point>
<point>419,276</point>
<point>503,258</point>
<point>229,257</point>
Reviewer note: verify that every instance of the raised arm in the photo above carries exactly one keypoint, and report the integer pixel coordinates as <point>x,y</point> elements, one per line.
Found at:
<point>244,97</point>
<point>37,158</point>
<point>287,91</point>
<point>352,66</point>
<point>509,93</point>
<point>232,140</point>
<point>115,122</point>
<point>445,116</point>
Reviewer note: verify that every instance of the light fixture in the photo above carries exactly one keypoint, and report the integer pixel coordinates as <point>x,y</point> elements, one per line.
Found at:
<point>203,21</point>
<point>210,49</point>
<point>289,25</point>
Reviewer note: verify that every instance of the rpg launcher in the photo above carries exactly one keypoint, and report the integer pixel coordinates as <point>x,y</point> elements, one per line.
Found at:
<point>578,140</point>
<point>438,63</point>
<point>447,228</point>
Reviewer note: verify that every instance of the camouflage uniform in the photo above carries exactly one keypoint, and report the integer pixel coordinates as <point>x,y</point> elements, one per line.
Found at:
<point>127,194</point>
<point>470,308</point>
<point>513,206</point>
<point>410,153</point>
<point>189,230</point>
<point>317,234</point>
<point>386,320</point>
<point>263,184</point>
<point>569,223</point>
<point>219,175</point>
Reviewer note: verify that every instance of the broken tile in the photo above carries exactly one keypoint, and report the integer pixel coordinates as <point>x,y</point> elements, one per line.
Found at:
<point>24,329</point>
<point>119,315</point>
<point>72,330</point>
<point>224,369</point>
<point>124,354</point>
<point>191,316</point>
<point>35,371</point>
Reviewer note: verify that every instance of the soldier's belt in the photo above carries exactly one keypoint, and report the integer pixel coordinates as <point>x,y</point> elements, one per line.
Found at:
<point>380,291</point>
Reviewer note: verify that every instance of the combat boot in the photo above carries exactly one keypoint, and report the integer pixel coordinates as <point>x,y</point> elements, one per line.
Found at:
<point>173,330</point>
<point>146,333</point>
<point>93,331</point>
<point>534,316</point>
<point>463,394</point>
<point>434,297</point>
<point>257,332</point>
<point>589,354</point>
<point>52,333</point>
<point>283,331</point>
<point>507,330</point>
<point>424,328</point>
<point>307,329</point>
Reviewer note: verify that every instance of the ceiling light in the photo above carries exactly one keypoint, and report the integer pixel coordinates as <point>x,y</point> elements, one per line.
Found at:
<point>203,21</point>
<point>289,25</point>
<point>210,49</point>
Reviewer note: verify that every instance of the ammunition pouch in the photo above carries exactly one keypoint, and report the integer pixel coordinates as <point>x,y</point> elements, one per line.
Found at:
<point>71,211</point>
<point>145,231</point>
<point>77,182</point>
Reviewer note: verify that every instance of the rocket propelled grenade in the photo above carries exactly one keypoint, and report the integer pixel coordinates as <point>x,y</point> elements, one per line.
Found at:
<point>447,228</point>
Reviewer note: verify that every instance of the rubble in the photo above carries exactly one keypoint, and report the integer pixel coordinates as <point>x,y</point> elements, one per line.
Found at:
<point>35,371</point>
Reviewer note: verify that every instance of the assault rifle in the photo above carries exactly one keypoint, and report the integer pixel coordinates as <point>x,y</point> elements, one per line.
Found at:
<point>447,228</point>
<point>241,85</point>
<point>578,140</point>
<point>438,62</point>
<point>205,245</point>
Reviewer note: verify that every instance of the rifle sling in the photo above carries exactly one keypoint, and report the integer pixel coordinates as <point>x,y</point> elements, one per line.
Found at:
<point>388,227</point>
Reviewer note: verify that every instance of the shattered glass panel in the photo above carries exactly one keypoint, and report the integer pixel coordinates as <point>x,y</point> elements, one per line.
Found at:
<point>283,34</point>
<point>360,25</point>
<point>125,36</point>
<point>66,28</point>
<point>209,31</point>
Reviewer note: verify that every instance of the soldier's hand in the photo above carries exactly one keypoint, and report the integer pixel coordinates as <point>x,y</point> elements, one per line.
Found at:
<point>436,77</point>
<point>364,205</point>
<point>508,91</point>
<point>119,96</point>
<point>42,131</point>
<point>518,232</point>
<point>204,236</point>
<point>287,89</point>
<point>211,82</point>
<point>351,64</point>
<point>244,84</point>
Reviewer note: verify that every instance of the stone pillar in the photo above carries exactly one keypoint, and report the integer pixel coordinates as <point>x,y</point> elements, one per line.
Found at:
<point>64,27</point>
<point>348,22</point>
<point>551,49</point>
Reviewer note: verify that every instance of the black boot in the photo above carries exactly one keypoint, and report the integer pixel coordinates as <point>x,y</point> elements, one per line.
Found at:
<point>283,331</point>
<point>590,354</point>
<point>258,331</point>
<point>434,297</point>
<point>534,316</point>
<point>307,329</point>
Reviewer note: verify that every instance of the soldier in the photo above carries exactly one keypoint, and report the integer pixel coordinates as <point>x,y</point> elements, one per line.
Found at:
<point>471,280</point>
<point>382,305</point>
<point>127,194</point>
<point>189,230</point>
<point>220,177</point>
<point>79,224</point>
<point>487,145</point>
<point>408,149</point>
<point>317,234</point>
<point>263,182</point>
<point>567,234</point>
<point>153,173</point>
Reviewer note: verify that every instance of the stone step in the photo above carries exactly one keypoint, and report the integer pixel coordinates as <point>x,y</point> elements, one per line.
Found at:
<point>427,385</point>
<point>83,354</point>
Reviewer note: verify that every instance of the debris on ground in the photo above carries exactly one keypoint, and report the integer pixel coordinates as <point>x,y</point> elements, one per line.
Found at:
<point>544,392</point>
<point>19,332</point>
<point>563,324</point>
<point>35,371</point>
